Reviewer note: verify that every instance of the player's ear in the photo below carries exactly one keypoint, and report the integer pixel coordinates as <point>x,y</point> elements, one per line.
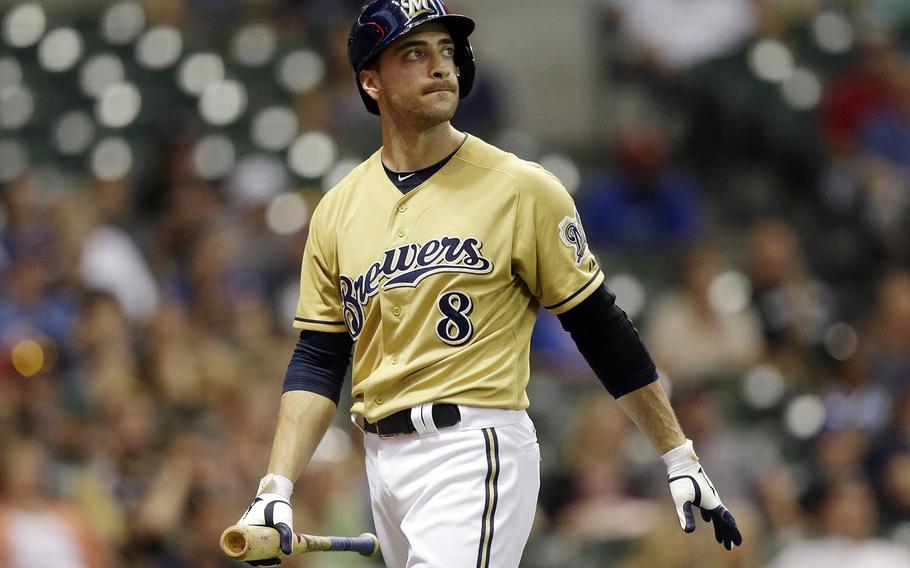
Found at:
<point>369,81</point>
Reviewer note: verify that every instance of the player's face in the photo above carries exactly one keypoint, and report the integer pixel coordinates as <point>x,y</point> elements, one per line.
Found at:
<point>416,77</point>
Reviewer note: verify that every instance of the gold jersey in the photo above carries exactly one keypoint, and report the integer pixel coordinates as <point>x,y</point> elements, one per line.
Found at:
<point>440,287</point>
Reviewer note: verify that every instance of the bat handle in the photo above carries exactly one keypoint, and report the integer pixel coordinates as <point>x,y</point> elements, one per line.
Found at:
<point>365,544</point>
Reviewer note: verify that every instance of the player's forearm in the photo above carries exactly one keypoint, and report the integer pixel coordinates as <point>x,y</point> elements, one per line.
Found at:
<point>649,407</point>
<point>303,419</point>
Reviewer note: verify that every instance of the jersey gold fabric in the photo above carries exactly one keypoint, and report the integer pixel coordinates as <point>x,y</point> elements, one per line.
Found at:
<point>440,287</point>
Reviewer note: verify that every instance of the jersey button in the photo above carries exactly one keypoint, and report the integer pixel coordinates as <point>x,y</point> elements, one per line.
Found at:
<point>394,359</point>
<point>401,232</point>
<point>396,311</point>
<point>402,208</point>
<point>379,400</point>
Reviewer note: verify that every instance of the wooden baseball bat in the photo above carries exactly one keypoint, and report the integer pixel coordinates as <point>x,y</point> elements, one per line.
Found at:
<point>258,543</point>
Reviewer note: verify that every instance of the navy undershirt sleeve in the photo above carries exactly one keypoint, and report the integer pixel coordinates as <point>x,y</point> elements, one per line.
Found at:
<point>609,343</point>
<point>319,363</point>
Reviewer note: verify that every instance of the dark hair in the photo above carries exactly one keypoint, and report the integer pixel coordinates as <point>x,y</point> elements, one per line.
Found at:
<point>822,488</point>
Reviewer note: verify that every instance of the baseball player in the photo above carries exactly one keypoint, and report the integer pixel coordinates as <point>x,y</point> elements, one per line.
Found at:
<point>429,263</point>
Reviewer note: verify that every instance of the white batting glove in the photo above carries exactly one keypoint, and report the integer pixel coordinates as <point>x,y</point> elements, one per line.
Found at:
<point>272,508</point>
<point>689,485</point>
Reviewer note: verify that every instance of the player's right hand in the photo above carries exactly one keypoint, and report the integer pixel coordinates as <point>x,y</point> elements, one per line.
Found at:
<point>272,508</point>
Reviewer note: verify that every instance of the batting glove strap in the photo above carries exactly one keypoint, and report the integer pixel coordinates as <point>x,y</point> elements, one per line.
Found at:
<point>679,458</point>
<point>690,485</point>
<point>274,483</point>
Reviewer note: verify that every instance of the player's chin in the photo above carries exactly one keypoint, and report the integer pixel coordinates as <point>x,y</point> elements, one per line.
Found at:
<point>440,110</point>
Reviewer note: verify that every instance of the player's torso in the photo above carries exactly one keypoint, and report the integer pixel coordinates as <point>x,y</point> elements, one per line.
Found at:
<point>428,290</point>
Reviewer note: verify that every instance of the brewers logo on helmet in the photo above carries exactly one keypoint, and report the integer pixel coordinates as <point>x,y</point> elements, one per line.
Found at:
<point>383,21</point>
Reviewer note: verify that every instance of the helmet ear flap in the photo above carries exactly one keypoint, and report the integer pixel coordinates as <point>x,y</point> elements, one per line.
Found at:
<point>464,61</point>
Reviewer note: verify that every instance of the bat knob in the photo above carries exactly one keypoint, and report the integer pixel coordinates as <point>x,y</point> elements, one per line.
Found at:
<point>375,540</point>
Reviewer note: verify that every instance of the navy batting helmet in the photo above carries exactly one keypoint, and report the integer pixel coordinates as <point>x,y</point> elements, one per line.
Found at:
<point>383,21</point>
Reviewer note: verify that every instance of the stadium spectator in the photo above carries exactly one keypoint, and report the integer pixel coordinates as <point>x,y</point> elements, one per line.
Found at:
<point>593,499</point>
<point>888,330</point>
<point>645,200</point>
<point>889,465</point>
<point>678,35</point>
<point>36,528</point>
<point>723,337</point>
<point>796,308</point>
<point>842,523</point>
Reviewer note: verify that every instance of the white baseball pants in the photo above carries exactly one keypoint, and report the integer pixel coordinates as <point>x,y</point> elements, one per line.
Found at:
<point>456,497</point>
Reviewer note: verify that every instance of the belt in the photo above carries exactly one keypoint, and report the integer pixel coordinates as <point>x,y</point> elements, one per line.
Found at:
<point>400,422</point>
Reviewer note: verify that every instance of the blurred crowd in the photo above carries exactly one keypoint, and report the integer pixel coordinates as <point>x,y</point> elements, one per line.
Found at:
<point>752,212</point>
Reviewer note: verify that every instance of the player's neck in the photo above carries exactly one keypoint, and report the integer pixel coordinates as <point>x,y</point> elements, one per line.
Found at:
<point>411,150</point>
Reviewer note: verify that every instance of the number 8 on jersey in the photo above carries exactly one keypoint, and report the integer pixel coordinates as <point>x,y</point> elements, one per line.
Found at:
<point>455,327</point>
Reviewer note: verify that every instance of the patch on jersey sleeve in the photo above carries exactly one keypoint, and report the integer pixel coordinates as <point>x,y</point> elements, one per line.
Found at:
<point>573,236</point>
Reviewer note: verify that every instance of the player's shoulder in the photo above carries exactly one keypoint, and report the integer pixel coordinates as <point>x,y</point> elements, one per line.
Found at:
<point>527,176</point>
<point>352,178</point>
<point>337,195</point>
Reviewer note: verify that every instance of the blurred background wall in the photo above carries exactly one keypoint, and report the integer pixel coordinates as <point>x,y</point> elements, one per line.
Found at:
<point>743,173</point>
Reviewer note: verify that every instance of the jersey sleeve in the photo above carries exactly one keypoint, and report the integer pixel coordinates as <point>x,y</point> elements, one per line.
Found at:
<point>550,251</point>
<point>319,305</point>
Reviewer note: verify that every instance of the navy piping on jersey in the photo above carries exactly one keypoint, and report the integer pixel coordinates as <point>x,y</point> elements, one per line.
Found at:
<point>304,320</point>
<point>577,292</point>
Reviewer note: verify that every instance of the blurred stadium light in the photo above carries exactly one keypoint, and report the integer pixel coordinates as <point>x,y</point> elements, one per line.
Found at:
<point>287,213</point>
<point>274,128</point>
<point>213,156</point>
<point>341,168</point>
<point>805,416</point>
<point>312,154</point>
<point>802,89</point>
<point>100,72</point>
<point>112,159</point>
<point>301,70</point>
<point>833,32</point>
<point>222,102</point>
<point>118,105</point>
<point>10,71</point>
<point>771,60</point>
<point>730,292</point>
<point>60,49</point>
<point>24,25</point>
<point>123,22</point>
<point>630,294</point>
<point>564,168</point>
<point>159,47</point>
<point>13,160</point>
<point>763,386</point>
<point>200,70</point>
<point>74,132</point>
<point>16,106</point>
<point>254,45</point>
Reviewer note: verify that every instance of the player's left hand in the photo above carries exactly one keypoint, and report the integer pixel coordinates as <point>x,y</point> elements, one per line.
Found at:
<point>689,485</point>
